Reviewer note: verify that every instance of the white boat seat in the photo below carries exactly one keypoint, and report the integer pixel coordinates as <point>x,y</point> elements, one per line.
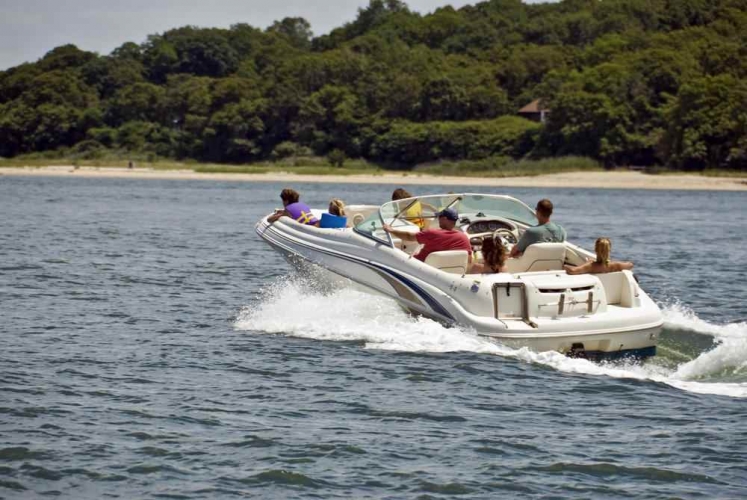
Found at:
<point>450,261</point>
<point>619,287</point>
<point>538,257</point>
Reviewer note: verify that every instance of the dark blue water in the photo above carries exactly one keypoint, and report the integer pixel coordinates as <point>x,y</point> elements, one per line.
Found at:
<point>154,347</point>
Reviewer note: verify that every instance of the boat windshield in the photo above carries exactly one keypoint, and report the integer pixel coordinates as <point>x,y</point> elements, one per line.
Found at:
<point>372,227</point>
<point>497,205</point>
<point>418,211</point>
<point>469,205</point>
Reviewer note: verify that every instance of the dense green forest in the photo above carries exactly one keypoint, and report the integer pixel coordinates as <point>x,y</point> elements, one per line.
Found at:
<point>627,82</point>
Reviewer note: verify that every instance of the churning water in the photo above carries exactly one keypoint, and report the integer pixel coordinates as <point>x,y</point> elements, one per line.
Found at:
<point>154,347</point>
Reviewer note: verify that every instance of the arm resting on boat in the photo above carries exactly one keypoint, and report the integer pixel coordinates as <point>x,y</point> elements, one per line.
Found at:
<point>593,267</point>
<point>582,269</point>
<point>277,215</point>
<point>403,235</point>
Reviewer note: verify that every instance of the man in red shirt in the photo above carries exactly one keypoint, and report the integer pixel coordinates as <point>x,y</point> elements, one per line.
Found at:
<point>437,240</point>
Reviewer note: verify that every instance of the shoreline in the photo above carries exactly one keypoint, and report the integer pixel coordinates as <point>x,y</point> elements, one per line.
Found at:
<point>595,180</point>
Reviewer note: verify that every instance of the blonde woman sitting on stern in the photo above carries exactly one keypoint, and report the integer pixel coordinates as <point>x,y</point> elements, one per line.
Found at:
<point>494,257</point>
<point>603,264</point>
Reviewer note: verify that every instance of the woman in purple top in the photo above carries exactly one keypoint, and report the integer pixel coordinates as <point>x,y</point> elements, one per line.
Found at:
<point>299,212</point>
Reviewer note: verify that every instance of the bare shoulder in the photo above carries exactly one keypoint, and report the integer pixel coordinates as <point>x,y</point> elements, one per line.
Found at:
<point>477,268</point>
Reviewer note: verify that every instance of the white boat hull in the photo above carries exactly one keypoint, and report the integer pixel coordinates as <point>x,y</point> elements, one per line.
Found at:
<point>544,311</point>
<point>615,333</point>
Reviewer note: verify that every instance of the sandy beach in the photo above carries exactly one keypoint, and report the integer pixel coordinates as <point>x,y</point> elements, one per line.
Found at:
<point>602,180</point>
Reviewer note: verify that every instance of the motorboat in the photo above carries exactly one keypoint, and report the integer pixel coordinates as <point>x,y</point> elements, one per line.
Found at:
<point>535,304</point>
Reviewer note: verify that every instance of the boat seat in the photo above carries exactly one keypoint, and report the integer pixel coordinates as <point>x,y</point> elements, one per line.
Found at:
<point>538,257</point>
<point>450,261</point>
<point>619,287</point>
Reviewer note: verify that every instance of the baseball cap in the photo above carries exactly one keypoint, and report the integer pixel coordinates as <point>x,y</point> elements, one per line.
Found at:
<point>449,213</point>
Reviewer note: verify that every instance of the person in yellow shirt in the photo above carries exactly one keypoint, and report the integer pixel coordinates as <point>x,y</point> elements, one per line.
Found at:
<point>413,214</point>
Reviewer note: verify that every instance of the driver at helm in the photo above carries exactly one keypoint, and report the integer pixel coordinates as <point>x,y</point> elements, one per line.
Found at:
<point>544,232</point>
<point>437,240</point>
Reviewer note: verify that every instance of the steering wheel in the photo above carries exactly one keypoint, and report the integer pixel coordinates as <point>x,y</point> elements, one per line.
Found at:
<point>506,235</point>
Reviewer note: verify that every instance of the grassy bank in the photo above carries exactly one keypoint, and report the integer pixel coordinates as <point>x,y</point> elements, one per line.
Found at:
<point>490,167</point>
<point>494,167</point>
<point>265,168</point>
<point>732,174</point>
<point>301,166</point>
<point>508,167</point>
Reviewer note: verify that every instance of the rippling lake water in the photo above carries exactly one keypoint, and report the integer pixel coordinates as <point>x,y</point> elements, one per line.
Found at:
<point>154,347</point>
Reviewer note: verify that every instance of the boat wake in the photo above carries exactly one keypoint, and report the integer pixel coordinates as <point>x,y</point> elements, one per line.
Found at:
<point>694,355</point>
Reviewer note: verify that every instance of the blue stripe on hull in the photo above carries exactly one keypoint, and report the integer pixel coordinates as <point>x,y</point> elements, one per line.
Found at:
<point>433,303</point>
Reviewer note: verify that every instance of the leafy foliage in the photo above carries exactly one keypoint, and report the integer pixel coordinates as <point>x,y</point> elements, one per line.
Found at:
<point>640,82</point>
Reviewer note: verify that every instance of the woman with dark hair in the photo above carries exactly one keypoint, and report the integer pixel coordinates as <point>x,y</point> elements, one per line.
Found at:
<point>494,257</point>
<point>602,264</point>
<point>293,208</point>
<point>400,194</point>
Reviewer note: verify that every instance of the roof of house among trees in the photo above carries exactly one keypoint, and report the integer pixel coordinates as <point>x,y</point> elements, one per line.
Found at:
<point>533,107</point>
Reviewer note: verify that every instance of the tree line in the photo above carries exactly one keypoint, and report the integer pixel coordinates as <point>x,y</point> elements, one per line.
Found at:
<point>627,82</point>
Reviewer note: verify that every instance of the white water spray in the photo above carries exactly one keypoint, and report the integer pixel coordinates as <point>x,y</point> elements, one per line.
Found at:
<point>290,308</point>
